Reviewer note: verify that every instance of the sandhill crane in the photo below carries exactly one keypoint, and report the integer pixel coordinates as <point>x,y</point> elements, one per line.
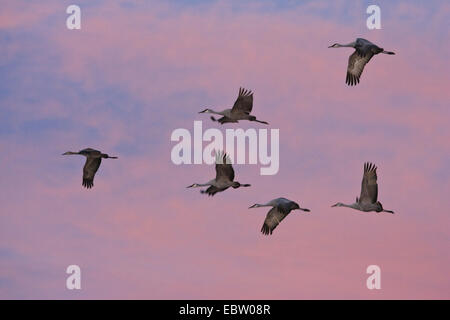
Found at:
<point>240,111</point>
<point>93,161</point>
<point>224,177</point>
<point>367,201</point>
<point>281,207</point>
<point>364,51</point>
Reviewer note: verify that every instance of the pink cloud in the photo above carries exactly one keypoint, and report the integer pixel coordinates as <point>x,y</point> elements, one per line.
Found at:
<point>156,239</point>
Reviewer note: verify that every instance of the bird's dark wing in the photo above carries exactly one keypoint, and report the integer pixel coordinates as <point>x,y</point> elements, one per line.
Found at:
<point>223,120</point>
<point>224,170</point>
<point>356,63</point>
<point>90,168</point>
<point>273,219</point>
<point>363,46</point>
<point>284,206</point>
<point>369,186</point>
<point>244,102</point>
<point>212,190</point>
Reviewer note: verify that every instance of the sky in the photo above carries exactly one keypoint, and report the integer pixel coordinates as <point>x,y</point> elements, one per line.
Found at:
<point>138,70</point>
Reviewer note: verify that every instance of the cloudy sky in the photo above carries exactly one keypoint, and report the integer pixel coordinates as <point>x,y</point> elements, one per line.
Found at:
<point>137,70</point>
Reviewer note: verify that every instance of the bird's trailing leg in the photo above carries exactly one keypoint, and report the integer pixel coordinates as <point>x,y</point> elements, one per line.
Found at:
<point>264,122</point>
<point>237,185</point>
<point>253,118</point>
<point>390,211</point>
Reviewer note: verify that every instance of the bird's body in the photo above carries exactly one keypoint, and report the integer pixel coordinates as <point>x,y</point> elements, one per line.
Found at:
<point>224,177</point>
<point>281,207</point>
<point>93,161</point>
<point>240,111</point>
<point>368,199</point>
<point>364,51</point>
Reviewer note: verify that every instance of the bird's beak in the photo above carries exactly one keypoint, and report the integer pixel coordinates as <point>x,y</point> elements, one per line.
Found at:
<point>334,205</point>
<point>192,185</point>
<point>203,111</point>
<point>253,206</point>
<point>330,46</point>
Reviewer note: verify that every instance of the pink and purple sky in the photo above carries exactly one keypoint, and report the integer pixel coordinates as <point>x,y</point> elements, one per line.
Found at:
<point>137,70</point>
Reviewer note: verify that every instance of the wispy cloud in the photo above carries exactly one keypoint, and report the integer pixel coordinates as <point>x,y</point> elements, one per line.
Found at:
<point>138,70</point>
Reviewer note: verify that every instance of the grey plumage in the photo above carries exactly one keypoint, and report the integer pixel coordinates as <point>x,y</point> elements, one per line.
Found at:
<point>93,161</point>
<point>240,111</point>
<point>224,177</point>
<point>368,199</point>
<point>281,207</point>
<point>364,51</point>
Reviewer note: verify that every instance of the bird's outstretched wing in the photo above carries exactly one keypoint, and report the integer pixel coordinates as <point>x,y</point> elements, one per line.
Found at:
<point>90,168</point>
<point>369,186</point>
<point>244,102</point>
<point>224,170</point>
<point>223,120</point>
<point>273,219</point>
<point>356,63</point>
<point>212,190</point>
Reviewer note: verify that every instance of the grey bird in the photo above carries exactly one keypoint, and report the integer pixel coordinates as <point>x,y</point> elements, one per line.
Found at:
<point>224,177</point>
<point>364,51</point>
<point>367,201</point>
<point>93,161</point>
<point>281,207</point>
<point>241,109</point>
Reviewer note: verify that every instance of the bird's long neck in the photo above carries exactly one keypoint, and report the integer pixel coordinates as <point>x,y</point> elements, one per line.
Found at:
<point>203,184</point>
<point>353,205</point>
<point>222,113</point>
<point>349,45</point>
<point>258,205</point>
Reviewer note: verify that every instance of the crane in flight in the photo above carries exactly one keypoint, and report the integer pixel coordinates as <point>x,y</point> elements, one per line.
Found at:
<point>364,51</point>
<point>93,161</point>
<point>367,200</point>
<point>281,207</point>
<point>240,111</point>
<point>224,177</point>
